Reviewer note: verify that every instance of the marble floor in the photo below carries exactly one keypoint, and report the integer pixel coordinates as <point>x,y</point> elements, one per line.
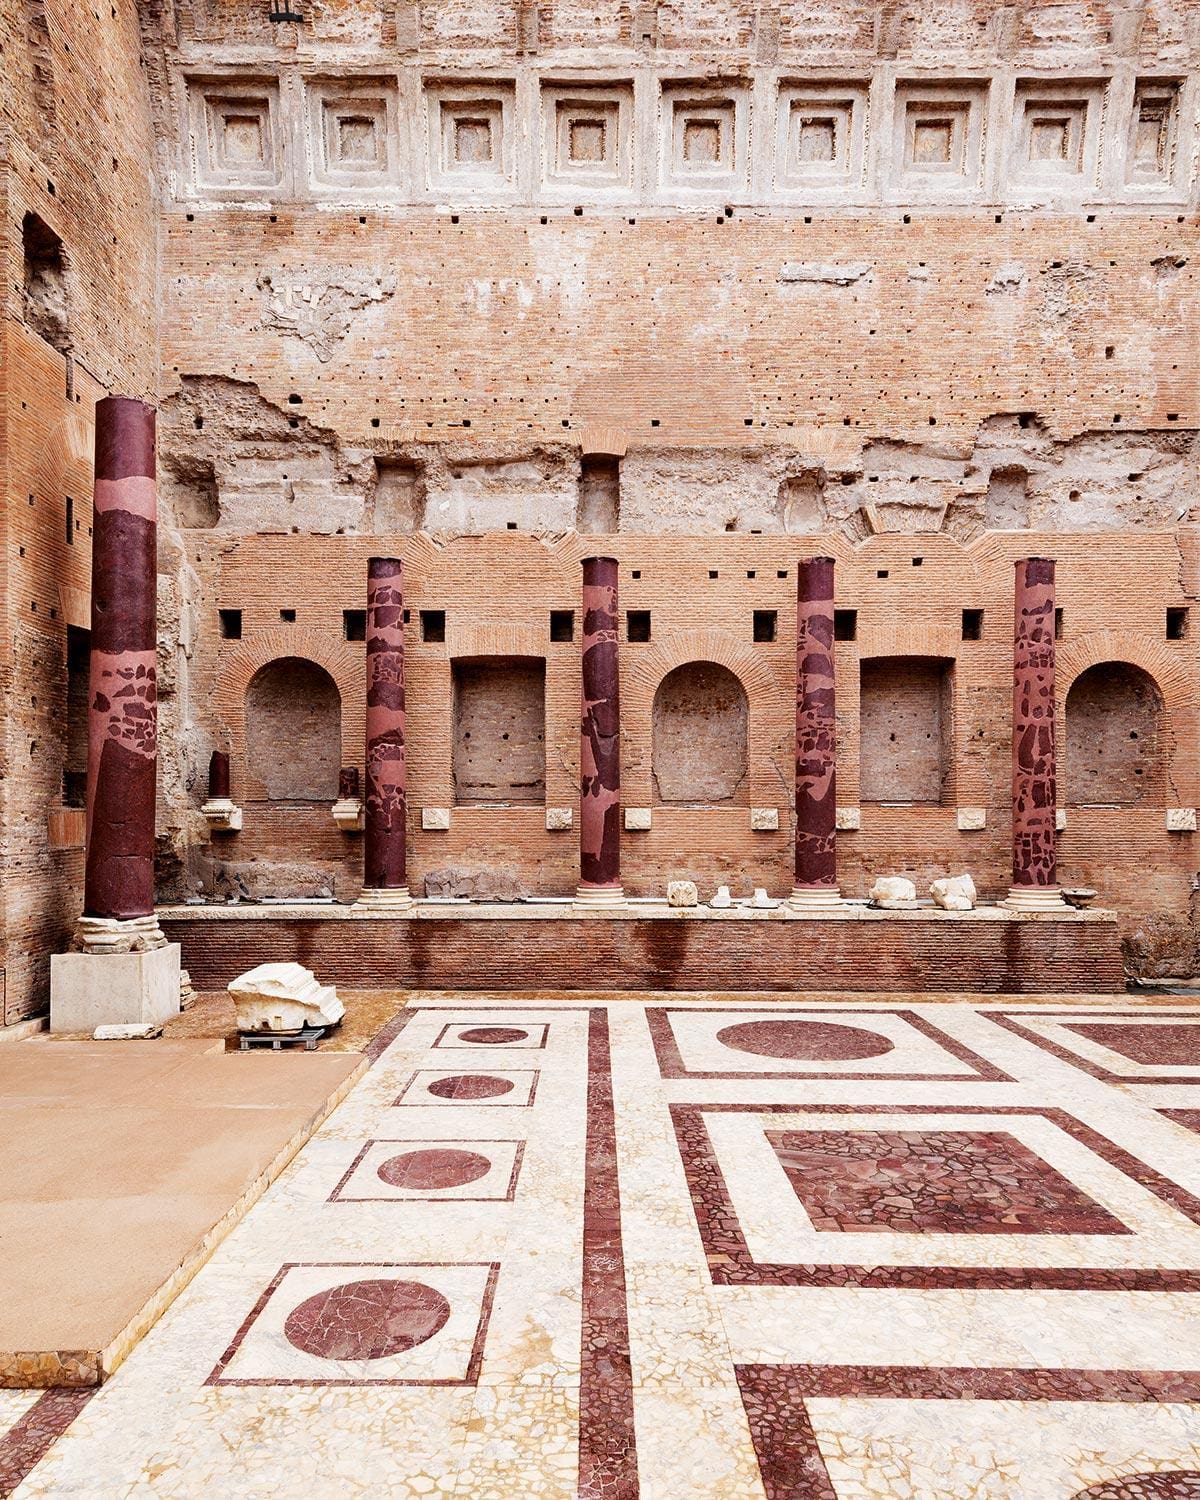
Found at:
<point>694,1251</point>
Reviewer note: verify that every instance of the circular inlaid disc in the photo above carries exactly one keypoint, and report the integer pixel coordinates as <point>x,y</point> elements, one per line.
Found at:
<point>493,1036</point>
<point>367,1319</point>
<point>471,1086</point>
<point>804,1041</point>
<point>435,1167</point>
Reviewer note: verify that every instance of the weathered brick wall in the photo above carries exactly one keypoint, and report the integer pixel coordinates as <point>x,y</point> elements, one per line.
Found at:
<point>461,280</point>
<point>76,150</point>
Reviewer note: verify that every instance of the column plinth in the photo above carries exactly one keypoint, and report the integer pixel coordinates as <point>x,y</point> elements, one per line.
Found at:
<point>1034,796</point>
<point>385,882</point>
<point>816,887</point>
<point>600,740</point>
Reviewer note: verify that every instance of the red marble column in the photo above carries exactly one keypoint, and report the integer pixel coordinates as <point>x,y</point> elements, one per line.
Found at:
<point>122,690</point>
<point>385,804</point>
<point>600,739</point>
<point>816,738</point>
<point>1035,836</point>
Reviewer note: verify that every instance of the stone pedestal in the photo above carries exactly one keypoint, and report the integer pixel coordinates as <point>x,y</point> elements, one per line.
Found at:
<point>600,740</point>
<point>114,989</point>
<point>816,887</point>
<point>1034,832</point>
<point>385,881</point>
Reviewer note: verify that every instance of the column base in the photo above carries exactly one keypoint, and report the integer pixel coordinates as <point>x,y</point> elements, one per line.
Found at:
<point>118,934</point>
<point>815,898</point>
<point>1035,898</point>
<point>386,898</point>
<point>600,895</point>
<point>114,989</point>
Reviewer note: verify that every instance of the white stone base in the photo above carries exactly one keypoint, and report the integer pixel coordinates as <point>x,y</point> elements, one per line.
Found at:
<point>113,989</point>
<point>1035,898</point>
<point>600,895</point>
<point>818,898</point>
<point>385,898</point>
<point>119,934</point>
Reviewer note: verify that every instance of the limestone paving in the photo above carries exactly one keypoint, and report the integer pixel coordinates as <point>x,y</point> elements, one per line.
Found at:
<point>715,1249</point>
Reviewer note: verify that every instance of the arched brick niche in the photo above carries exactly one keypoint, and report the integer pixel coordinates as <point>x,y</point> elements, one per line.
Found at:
<point>700,737</point>
<point>765,678</point>
<point>293,727</point>
<point>499,730</point>
<point>1116,740</point>
<point>340,662</point>
<point>906,730</point>
<point>1121,684</point>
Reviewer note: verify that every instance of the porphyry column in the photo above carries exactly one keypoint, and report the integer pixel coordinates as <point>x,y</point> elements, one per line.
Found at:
<point>1035,859</point>
<point>816,739</point>
<point>385,880</point>
<point>118,905</point>
<point>600,740</point>
<point>127,974</point>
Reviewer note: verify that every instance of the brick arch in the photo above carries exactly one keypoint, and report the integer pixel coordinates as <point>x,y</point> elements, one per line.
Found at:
<point>767,693</point>
<point>340,659</point>
<point>1153,656</point>
<point>1176,692</point>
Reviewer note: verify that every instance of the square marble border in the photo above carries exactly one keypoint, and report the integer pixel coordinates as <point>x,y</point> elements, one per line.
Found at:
<point>502,1101</point>
<point>731,1262</point>
<point>217,1377</point>
<point>1093,1057</point>
<point>671,1063</point>
<point>441,1044</point>
<point>430,1195</point>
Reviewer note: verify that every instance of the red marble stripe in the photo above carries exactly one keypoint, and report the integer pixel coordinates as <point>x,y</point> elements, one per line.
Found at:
<point>30,1438</point>
<point>607,1444</point>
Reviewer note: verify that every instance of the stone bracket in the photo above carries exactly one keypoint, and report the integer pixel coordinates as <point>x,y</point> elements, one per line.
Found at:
<point>222,815</point>
<point>348,814</point>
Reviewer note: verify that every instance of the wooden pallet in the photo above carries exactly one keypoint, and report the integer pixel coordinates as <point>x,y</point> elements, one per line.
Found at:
<point>306,1040</point>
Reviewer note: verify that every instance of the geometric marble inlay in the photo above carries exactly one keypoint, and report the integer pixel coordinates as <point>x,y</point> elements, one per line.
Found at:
<point>933,1181</point>
<point>810,1041</point>
<point>367,1319</point>
<point>1170,1045</point>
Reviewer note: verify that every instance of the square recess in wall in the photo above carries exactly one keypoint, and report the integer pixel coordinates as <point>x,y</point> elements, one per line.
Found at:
<point>233,133</point>
<point>1151,154</point>
<point>705,137</point>
<point>470,130</point>
<point>938,138</point>
<point>820,136</point>
<point>1056,136</point>
<point>352,132</point>
<point>587,136</point>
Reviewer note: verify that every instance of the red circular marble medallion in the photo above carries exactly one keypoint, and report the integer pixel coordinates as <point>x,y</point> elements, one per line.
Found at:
<point>366,1319</point>
<point>470,1086</point>
<point>435,1167</point>
<point>493,1036</point>
<point>1180,1484</point>
<point>804,1041</point>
